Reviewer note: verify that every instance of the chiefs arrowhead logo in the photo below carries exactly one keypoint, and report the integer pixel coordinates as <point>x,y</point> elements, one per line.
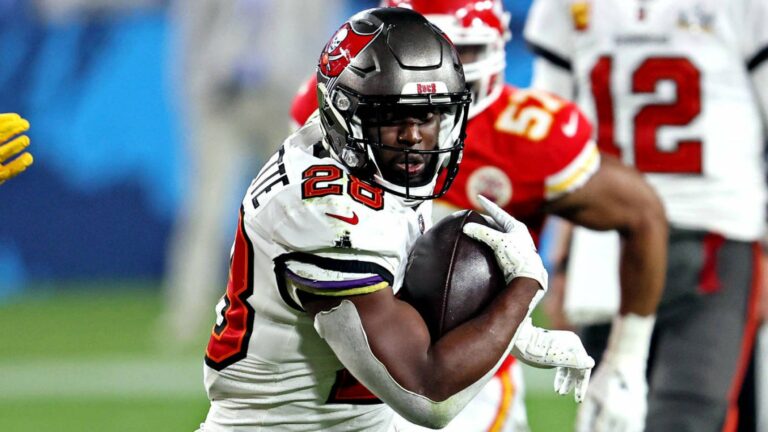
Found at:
<point>345,45</point>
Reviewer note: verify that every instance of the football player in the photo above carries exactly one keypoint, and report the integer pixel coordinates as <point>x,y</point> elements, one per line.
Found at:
<point>321,246</point>
<point>11,125</point>
<point>676,89</point>
<point>533,154</point>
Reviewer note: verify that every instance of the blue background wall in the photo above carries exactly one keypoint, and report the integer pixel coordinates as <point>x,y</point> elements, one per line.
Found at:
<point>100,200</point>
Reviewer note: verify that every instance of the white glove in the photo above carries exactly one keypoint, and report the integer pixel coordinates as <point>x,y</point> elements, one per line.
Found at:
<point>619,381</point>
<point>542,348</point>
<point>513,247</point>
<point>616,401</point>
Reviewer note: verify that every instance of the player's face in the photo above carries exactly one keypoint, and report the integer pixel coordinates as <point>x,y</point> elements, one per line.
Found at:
<point>470,53</point>
<point>417,129</point>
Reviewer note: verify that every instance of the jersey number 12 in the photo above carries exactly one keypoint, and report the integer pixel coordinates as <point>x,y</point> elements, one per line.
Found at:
<point>687,156</point>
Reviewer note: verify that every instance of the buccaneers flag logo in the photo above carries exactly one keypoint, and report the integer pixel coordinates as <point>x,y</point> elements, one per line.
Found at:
<point>342,49</point>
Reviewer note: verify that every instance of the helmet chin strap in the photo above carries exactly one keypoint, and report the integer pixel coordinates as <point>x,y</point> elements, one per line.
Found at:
<point>352,155</point>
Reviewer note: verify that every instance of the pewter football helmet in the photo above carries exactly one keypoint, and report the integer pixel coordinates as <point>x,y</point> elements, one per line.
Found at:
<point>380,63</point>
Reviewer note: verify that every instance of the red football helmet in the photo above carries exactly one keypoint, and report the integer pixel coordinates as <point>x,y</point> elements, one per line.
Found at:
<point>479,29</point>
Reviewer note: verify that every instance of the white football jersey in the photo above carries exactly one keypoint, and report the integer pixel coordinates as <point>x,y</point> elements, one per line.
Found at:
<point>305,223</point>
<point>670,85</point>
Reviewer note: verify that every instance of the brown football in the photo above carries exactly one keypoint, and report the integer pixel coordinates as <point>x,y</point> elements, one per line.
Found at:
<point>451,277</point>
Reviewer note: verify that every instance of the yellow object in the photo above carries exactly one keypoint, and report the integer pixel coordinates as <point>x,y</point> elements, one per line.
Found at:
<point>580,14</point>
<point>11,125</point>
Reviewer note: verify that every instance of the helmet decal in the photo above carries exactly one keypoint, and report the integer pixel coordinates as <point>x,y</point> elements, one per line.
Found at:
<point>345,45</point>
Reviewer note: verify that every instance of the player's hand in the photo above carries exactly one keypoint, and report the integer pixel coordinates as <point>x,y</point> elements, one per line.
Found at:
<point>513,247</point>
<point>10,126</point>
<point>560,349</point>
<point>616,400</point>
<point>619,382</point>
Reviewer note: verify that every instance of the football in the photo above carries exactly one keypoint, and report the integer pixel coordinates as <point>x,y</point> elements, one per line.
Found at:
<point>451,277</point>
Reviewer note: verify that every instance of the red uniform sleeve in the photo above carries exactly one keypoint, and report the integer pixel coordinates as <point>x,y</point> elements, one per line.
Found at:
<point>575,157</point>
<point>305,101</point>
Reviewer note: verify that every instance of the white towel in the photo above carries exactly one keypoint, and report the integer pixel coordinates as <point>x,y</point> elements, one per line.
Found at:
<point>592,286</point>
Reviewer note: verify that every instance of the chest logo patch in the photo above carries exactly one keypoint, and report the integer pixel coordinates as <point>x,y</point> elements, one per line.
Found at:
<point>490,182</point>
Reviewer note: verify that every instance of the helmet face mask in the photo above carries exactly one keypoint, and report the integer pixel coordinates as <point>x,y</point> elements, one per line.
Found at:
<point>413,89</point>
<point>402,164</point>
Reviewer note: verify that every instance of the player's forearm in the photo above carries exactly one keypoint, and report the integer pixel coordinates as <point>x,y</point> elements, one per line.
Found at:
<point>475,347</point>
<point>441,368</point>
<point>643,261</point>
<point>618,198</point>
<point>399,340</point>
<point>428,384</point>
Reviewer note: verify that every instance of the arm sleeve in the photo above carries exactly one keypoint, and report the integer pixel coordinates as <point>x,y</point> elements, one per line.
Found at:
<point>551,78</point>
<point>549,35</point>
<point>549,32</point>
<point>330,274</point>
<point>575,174</point>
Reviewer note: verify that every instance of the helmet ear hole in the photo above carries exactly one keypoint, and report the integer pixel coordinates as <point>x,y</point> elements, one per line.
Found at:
<point>354,157</point>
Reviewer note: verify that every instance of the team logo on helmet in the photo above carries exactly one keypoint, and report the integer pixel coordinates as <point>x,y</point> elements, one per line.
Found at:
<point>345,45</point>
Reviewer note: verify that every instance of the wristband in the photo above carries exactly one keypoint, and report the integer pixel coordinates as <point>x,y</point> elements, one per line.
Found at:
<point>630,340</point>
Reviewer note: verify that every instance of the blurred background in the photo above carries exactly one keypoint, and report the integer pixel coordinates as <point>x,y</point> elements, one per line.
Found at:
<point>148,117</point>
